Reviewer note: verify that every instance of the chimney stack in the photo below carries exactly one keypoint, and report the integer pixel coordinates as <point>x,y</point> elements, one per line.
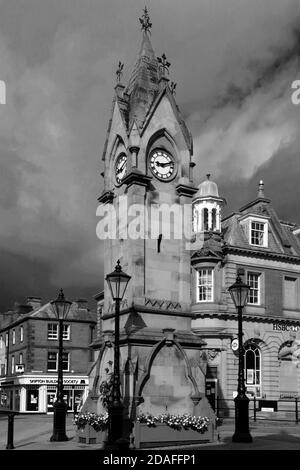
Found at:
<point>35,302</point>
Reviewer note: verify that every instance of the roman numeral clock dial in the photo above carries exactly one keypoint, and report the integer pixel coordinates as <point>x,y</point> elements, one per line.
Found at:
<point>121,168</point>
<point>162,165</point>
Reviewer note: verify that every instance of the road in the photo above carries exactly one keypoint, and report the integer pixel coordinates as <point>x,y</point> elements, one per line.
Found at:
<point>33,432</point>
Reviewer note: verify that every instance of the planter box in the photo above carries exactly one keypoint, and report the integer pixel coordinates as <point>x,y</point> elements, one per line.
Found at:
<point>163,435</point>
<point>88,435</point>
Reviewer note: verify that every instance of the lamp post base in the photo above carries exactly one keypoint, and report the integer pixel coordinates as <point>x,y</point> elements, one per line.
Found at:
<point>242,433</point>
<point>59,422</point>
<point>115,439</point>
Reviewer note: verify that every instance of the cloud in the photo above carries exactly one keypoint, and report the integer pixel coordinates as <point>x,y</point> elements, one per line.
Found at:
<point>233,61</point>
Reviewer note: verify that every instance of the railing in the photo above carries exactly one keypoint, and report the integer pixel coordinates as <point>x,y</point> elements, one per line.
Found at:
<point>287,410</point>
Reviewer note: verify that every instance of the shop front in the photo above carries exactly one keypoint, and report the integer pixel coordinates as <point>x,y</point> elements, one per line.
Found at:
<point>36,394</point>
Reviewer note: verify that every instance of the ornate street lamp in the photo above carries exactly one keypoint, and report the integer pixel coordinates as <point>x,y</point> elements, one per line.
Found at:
<point>239,292</point>
<point>117,282</point>
<point>61,308</point>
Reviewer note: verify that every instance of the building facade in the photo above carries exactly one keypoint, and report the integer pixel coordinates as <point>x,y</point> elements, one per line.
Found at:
<point>265,251</point>
<point>178,322</point>
<point>29,356</point>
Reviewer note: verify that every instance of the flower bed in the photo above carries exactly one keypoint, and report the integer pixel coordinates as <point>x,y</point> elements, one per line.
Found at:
<point>169,429</point>
<point>91,428</point>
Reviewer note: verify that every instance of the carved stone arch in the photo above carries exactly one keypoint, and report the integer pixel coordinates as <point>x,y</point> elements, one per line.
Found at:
<point>97,365</point>
<point>181,387</point>
<point>158,138</point>
<point>118,140</point>
<point>261,344</point>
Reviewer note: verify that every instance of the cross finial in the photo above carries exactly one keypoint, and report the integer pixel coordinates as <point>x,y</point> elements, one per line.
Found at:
<point>163,64</point>
<point>145,21</point>
<point>119,71</point>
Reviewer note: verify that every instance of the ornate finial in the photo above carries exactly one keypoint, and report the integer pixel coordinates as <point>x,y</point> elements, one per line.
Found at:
<point>261,189</point>
<point>119,71</point>
<point>145,21</point>
<point>61,295</point>
<point>173,87</point>
<point>118,266</point>
<point>163,64</point>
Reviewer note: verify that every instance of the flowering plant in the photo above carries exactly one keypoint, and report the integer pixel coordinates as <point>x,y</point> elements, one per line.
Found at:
<point>185,421</point>
<point>98,422</point>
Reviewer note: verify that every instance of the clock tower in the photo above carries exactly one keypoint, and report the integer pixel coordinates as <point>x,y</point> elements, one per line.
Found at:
<point>148,193</point>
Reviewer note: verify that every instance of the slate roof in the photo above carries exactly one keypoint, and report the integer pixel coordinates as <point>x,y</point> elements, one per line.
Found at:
<point>281,238</point>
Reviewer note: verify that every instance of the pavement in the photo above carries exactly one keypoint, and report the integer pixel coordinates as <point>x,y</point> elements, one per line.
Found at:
<point>33,432</point>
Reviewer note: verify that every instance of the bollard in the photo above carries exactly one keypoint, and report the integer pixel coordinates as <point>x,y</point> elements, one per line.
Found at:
<point>296,409</point>
<point>10,431</point>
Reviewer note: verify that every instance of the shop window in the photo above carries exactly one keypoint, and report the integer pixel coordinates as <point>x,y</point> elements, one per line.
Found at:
<point>205,285</point>
<point>53,331</point>
<point>254,295</point>
<point>32,401</point>
<point>252,362</point>
<point>52,363</point>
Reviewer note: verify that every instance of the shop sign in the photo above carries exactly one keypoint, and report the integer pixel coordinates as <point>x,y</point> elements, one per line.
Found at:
<point>44,381</point>
<point>285,327</point>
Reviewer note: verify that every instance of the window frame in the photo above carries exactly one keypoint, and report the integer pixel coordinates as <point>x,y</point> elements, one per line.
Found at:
<point>13,336</point>
<point>12,364</point>
<point>56,361</point>
<point>257,371</point>
<point>21,334</point>
<point>205,286</point>
<point>253,220</point>
<point>259,288</point>
<point>66,331</point>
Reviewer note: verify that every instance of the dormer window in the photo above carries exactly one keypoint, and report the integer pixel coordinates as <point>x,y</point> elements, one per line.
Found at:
<point>258,233</point>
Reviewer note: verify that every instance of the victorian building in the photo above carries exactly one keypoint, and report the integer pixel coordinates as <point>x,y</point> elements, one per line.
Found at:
<point>29,355</point>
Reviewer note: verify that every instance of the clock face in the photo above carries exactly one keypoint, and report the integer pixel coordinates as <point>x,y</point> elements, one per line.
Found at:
<point>162,165</point>
<point>121,168</point>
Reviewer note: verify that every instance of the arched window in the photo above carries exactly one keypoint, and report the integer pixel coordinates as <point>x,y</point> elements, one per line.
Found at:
<point>214,219</point>
<point>205,219</point>
<point>252,363</point>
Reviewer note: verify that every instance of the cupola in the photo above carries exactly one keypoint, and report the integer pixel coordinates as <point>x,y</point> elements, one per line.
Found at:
<point>207,206</point>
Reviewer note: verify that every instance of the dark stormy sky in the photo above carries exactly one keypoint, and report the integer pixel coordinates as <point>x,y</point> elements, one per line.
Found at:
<point>234,62</point>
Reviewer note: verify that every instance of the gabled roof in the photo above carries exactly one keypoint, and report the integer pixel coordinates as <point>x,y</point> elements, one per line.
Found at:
<point>281,239</point>
<point>45,312</point>
<point>185,131</point>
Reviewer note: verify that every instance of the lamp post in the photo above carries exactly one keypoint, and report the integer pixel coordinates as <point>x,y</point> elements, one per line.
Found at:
<point>117,282</point>
<point>61,308</point>
<point>239,293</point>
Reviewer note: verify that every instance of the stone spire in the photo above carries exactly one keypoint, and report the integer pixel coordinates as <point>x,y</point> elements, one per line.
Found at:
<point>143,84</point>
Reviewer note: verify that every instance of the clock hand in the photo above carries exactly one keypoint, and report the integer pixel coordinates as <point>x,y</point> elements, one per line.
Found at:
<point>120,169</point>
<point>164,164</point>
